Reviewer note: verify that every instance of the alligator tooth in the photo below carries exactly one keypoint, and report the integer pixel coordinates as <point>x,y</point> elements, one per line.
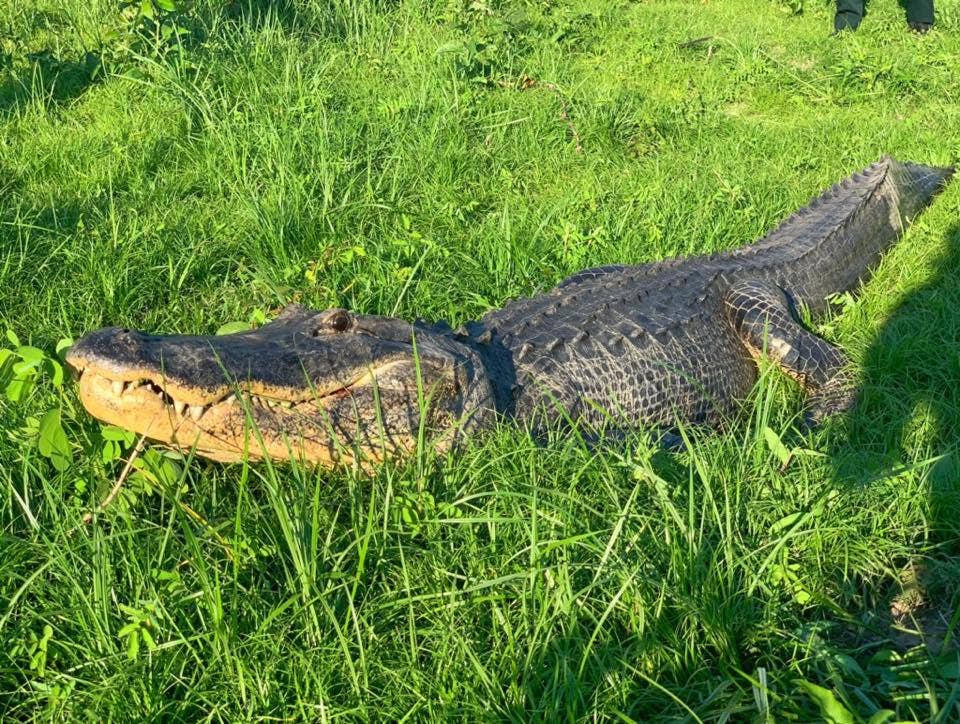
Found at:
<point>117,387</point>
<point>230,399</point>
<point>286,404</point>
<point>196,412</point>
<point>179,406</point>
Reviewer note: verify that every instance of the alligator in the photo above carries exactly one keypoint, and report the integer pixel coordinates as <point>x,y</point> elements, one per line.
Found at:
<point>655,345</point>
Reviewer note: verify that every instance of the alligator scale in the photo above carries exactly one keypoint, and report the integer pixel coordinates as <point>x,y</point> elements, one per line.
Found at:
<point>613,347</point>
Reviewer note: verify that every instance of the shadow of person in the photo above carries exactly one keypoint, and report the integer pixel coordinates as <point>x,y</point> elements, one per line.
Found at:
<point>56,80</point>
<point>907,423</point>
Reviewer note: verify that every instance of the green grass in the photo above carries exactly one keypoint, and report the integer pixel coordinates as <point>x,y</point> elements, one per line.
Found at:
<point>389,157</point>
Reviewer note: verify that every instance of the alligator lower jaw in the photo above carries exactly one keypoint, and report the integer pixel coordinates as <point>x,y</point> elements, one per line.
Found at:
<point>220,430</point>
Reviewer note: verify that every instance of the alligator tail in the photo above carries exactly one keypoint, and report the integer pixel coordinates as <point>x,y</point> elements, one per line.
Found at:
<point>917,184</point>
<point>831,245</point>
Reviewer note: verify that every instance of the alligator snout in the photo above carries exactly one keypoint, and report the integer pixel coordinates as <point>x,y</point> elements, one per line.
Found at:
<point>198,368</point>
<point>108,348</point>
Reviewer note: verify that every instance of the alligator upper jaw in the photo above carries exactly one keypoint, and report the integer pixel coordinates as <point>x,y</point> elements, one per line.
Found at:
<point>133,391</point>
<point>143,397</point>
<point>125,378</point>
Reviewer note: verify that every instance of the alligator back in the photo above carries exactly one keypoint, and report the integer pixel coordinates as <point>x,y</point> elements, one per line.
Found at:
<point>653,343</point>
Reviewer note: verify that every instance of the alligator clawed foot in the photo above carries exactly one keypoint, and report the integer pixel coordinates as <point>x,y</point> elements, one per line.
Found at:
<point>833,399</point>
<point>671,442</point>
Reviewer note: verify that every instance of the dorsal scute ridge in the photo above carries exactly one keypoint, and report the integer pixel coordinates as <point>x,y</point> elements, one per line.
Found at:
<point>820,204</point>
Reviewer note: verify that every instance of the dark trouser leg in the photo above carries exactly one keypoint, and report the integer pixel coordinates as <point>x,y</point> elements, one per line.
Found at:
<point>919,11</point>
<point>849,14</point>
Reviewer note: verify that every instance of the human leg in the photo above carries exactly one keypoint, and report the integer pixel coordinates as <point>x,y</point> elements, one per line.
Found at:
<point>849,15</point>
<point>919,14</point>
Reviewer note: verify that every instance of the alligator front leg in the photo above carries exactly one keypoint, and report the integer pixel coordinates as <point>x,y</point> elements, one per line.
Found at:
<point>761,315</point>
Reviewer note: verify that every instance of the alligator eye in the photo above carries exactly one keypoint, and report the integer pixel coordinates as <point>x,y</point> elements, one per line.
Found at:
<point>338,321</point>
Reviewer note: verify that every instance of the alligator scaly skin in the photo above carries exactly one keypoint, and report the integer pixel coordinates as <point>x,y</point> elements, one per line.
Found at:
<point>676,340</point>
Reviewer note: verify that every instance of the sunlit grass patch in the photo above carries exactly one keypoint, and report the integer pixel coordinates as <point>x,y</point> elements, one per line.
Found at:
<point>435,159</point>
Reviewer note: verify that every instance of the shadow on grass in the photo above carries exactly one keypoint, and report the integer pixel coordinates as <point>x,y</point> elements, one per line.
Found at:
<point>56,80</point>
<point>258,13</point>
<point>53,79</point>
<point>909,416</point>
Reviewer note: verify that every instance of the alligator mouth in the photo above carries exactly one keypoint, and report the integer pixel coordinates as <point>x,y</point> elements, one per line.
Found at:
<point>217,427</point>
<point>142,391</point>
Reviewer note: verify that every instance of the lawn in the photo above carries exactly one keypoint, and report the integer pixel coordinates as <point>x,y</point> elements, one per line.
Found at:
<point>175,167</point>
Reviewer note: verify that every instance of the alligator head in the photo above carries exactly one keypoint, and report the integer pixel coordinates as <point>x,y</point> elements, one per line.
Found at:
<point>327,387</point>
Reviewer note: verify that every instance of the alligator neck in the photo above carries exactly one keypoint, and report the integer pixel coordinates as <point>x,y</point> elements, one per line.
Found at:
<point>498,364</point>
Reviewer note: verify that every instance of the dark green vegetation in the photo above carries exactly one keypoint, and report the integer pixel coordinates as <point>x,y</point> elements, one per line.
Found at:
<point>436,160</point>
